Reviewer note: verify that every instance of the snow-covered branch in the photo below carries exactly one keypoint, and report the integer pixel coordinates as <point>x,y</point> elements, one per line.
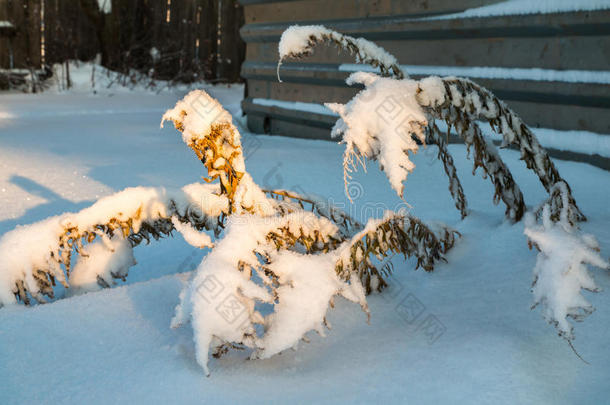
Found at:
<point>388,119</point>
<point>35,256</point>
<point>461,102</point>
<point>395,233</point>
<point>298,41</point>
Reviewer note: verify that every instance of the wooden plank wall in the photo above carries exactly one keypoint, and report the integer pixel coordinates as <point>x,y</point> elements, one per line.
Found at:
<point>561,41</point>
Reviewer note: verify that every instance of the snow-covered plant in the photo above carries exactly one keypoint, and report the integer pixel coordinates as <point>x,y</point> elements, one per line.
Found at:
<point>280,258</point>
<point>276,252</point>
<point>278,249</point>
<point>393,115</point>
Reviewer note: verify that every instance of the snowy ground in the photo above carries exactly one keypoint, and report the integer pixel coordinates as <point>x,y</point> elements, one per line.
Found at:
<point>59,152</point>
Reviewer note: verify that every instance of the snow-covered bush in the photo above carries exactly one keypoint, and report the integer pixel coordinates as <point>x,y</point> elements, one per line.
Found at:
<point>284,257</point>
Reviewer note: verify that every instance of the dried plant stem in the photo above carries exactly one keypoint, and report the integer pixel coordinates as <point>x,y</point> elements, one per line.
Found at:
<point>320,207</point>
<point>397,234</point>
<point>455,187</point>
<point>486,156</point>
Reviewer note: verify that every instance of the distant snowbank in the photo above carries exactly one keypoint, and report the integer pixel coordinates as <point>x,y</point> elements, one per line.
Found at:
<point>87,77</point>
<point>491,72</point>
<point>519,7</point>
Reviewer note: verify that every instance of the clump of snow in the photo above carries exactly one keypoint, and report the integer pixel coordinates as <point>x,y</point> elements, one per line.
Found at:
<point>24,249</point>
<point>5,24</point>
<point>561,268</point>
<point>195,114</point>
<point>364,78</point>
<point>432,92</point>
<point>100,262</point>
<point>220,300</point>
<point>251,199</point>
<point>298,40</point>
<point>191,235</point>
<point>308,284</point>
<point>381,122</point>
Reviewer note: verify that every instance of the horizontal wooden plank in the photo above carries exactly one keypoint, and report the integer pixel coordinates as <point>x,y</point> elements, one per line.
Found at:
<point>548,53</point>
<point>277,120</point>
<point>581,23</point>
<point>316,10</point>
<point>549,92</point>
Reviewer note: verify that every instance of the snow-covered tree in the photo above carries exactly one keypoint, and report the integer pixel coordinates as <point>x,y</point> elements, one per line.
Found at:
<point>296,253</point>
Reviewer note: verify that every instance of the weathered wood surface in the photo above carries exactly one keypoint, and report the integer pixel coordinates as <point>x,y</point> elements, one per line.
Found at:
<point>561,41</point>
